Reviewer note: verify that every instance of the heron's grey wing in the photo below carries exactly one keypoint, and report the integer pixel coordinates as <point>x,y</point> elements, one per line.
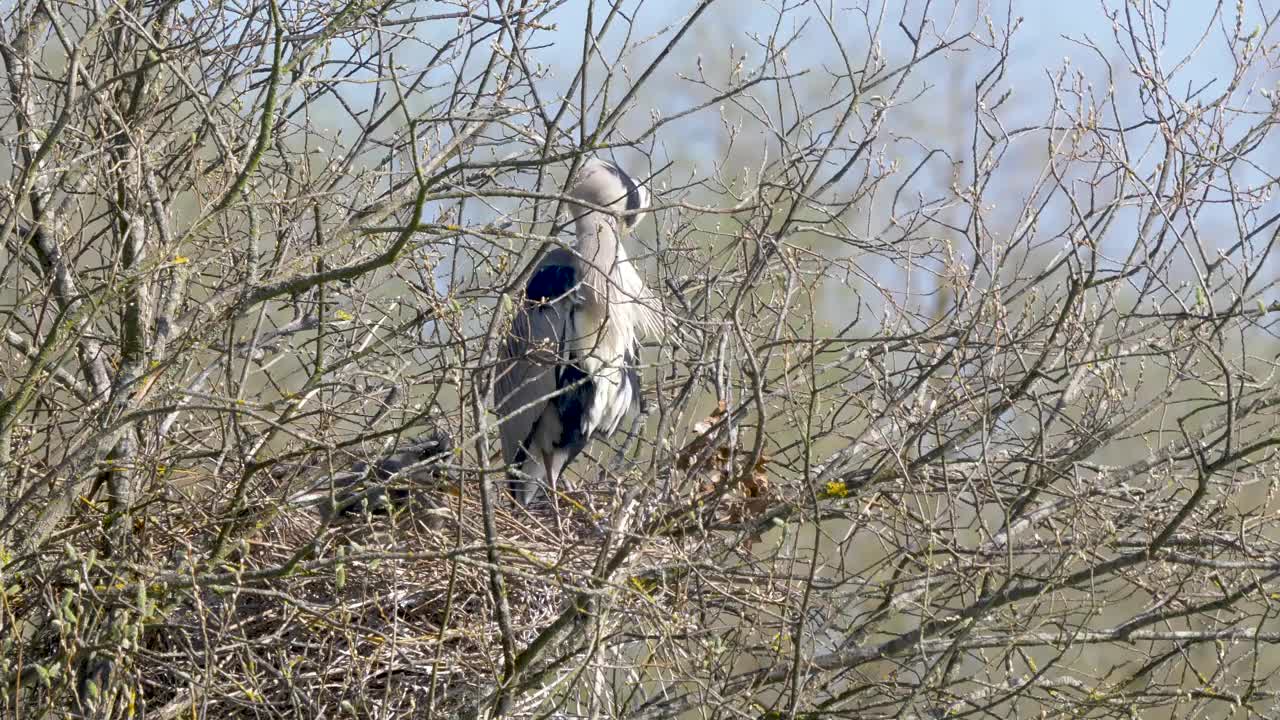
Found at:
<point>413,453</point>
<point>526,368</point>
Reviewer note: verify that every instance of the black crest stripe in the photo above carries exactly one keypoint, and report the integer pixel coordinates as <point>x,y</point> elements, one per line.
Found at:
<point>633,192</point>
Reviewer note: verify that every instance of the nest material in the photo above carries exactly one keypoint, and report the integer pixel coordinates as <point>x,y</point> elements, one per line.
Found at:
<point>384,608</point>
<point>385,605</point>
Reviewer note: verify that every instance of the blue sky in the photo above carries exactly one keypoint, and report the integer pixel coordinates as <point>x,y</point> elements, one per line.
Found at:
<point>1047,37</point>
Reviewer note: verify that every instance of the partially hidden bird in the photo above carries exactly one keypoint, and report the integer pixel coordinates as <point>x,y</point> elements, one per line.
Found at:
<point>568,371</point>
<point>364,485</point>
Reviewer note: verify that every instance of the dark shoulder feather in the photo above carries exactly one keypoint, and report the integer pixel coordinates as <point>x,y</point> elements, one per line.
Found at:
<point>550,282</point>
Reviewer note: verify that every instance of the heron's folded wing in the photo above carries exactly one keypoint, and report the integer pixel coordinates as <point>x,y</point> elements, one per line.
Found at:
<point>526,369</point>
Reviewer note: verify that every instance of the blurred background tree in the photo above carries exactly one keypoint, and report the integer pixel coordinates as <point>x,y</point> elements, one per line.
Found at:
<point>967,407</point>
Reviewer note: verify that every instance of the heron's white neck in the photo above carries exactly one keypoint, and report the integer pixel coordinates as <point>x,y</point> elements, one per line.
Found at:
<point>599,252</point>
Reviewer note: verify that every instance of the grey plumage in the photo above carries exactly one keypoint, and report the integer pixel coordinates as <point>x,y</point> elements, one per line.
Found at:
<point>379,485</point>
<point>568,371</point>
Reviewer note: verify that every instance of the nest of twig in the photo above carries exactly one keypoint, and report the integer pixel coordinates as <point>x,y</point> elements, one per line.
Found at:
<point>380,613</point>
<point>376,599</point>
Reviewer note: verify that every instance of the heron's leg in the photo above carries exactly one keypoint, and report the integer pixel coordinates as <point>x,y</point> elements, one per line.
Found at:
<point>548,464</point>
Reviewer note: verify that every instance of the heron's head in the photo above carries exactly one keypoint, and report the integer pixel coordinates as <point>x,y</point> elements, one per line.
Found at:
<point>604,184</point>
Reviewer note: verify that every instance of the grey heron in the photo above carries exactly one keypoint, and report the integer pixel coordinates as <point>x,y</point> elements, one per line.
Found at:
<point>368,486</point>
<point>568,371</point>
